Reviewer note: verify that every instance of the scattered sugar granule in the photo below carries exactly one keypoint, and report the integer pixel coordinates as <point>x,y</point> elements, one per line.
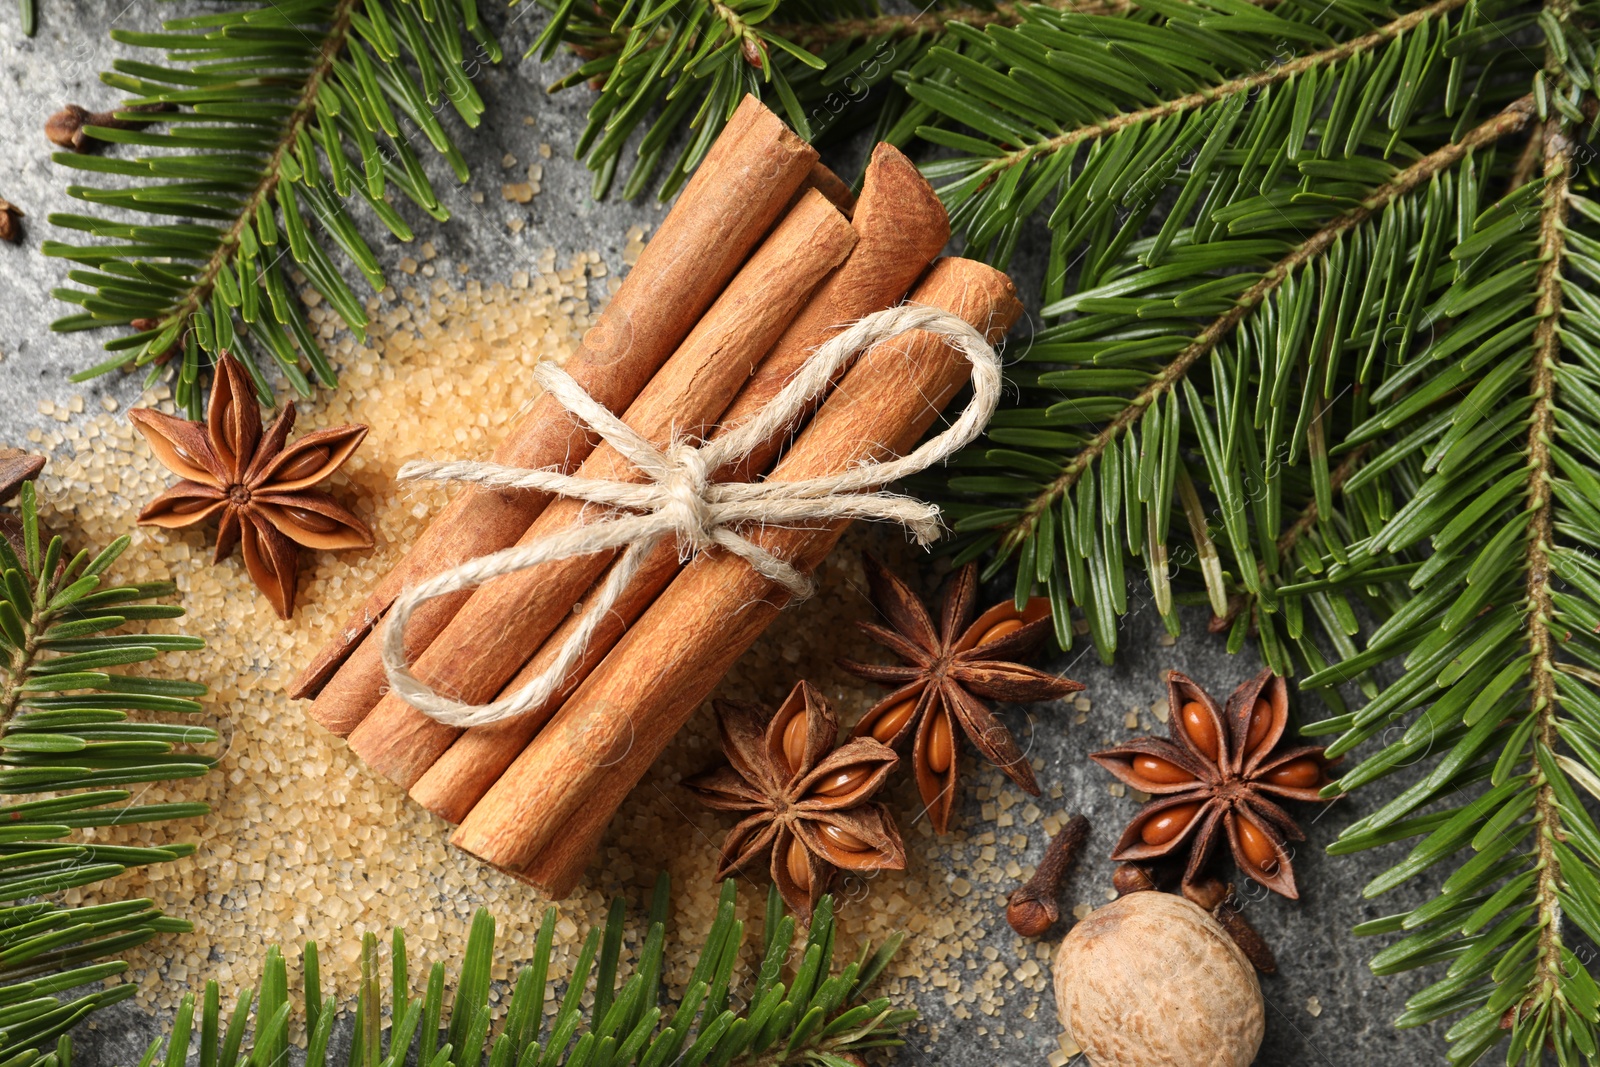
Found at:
<point>508,161</point>
<point>1313,1007</point>
<point>517,192</point>
<point>1131,720</point>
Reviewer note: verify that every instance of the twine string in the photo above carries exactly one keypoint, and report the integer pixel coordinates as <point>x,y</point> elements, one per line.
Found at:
<point>679,499</point>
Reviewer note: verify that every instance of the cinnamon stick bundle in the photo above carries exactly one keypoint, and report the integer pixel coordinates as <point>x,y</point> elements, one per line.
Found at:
<point>745,184</point>
<point>545,816</point>
<point>504,621</point>
<point>902,227</point>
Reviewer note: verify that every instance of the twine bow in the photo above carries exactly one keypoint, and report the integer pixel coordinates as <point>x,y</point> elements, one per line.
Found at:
<point>680,500</point>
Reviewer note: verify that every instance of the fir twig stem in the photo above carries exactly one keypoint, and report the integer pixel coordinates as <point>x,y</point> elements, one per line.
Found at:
<point>305,109</point>
<point>21,660</point>
<point>1514,117</point>
<point>1250,83</point>
<point>1007,13</point>
<point>1541,608</point>
<point>1309,515</point>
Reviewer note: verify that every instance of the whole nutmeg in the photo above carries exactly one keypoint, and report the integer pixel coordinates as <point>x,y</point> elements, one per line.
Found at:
<point>1150,980</point>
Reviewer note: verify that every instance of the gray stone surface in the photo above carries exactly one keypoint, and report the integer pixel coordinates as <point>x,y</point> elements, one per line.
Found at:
<point>1319,958</point>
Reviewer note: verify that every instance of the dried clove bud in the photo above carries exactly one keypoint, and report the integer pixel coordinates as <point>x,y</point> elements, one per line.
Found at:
<point>1254,946</point>
<point>1033,908</point>
<point>10,221</point>
<point>1218,898</point>
<point>1131,878</point>
<point>1208,892</point>
<point>65,127</point>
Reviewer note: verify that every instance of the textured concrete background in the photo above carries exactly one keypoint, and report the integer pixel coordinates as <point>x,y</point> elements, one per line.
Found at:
<point>1346,1024</point>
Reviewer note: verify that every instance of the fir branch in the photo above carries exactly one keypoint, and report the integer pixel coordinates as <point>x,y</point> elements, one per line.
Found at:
<point>1197,335</point>
<point>300,115</point>
<point>286,115</point>
<point>1514,117</point>
<point>817,36</point>
<point>797,1009</point>
<point>1541,611</point>
<point>65,731</point>
<point>1244,85</point>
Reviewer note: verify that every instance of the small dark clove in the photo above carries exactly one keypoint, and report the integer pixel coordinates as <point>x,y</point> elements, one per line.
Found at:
<point>1254,946</point>
<point>1131,878</point>
<point>65,127</point>
<point>1219,899</point>
<point>10,221</point>
<point>1034,907</point>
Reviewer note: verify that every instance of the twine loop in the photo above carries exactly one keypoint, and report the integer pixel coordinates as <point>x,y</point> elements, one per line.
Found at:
<point>679,499</point>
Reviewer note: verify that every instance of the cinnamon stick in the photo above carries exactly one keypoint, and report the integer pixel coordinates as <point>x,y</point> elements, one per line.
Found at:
<point>741,189</point>
<point>545,816</point>
<point>830,185</point>
<point>902,226</point>
<point>506,620</point>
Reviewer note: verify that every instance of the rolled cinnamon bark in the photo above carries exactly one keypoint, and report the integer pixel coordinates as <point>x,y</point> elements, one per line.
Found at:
<point>505,621</point>
<point>833,187</point>
<point>547,813</point>
<point>902,227</point>
<point>741,189</point>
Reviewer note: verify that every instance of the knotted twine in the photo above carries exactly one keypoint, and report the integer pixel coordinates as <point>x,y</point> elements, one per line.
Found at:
<point>680,500</point>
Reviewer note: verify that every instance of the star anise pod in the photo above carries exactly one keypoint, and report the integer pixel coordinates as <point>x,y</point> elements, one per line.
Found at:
<point>1219,775</point>
<point>947,675</point>
<point>257,486</point>
<point>806,804</point>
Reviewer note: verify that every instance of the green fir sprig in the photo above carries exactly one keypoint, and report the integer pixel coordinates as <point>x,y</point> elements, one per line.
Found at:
<point>65,731</point>
<point>1322,337</point>
<point>677,72</point>
<point>288,114</point>
<point>795,1010</point>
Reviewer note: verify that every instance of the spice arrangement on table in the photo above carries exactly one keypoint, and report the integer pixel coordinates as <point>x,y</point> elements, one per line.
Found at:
<point>750,578</point>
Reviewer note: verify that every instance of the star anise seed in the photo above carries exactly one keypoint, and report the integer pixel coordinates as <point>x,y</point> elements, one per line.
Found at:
<point>947,675</point>
<point>258,486</point>
<point>1218,776</point>
<point>805,803</point>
